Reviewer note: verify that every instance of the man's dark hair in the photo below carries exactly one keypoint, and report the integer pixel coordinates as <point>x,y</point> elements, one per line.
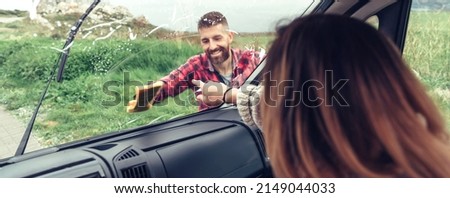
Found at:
<point>210,19</point>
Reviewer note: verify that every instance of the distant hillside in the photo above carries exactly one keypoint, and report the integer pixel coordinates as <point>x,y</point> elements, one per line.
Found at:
<point>55,20</point>
<point>13,13</point>
<point>431,5</point>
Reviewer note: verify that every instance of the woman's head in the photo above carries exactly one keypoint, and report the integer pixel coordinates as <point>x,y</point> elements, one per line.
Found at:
<point>343,103</point>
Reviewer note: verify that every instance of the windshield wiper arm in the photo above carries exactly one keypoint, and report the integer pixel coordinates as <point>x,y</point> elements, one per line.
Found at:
<point>73,31</point>
<point>62,62</point>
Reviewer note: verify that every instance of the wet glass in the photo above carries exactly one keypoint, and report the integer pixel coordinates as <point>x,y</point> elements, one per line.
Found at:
<point>120,45</point>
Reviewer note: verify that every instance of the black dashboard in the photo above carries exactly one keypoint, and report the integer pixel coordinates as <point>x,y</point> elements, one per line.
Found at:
<point>193,147</point>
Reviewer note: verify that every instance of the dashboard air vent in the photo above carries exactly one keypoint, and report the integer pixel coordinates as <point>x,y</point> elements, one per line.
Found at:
<point>129,154</point>
<point>138,171</point>
<point>131,163</point>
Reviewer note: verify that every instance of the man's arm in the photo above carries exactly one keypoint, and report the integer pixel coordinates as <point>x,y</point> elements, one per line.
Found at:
<point>171,85</point>
<point>175,82</point>
<point>179,79</point>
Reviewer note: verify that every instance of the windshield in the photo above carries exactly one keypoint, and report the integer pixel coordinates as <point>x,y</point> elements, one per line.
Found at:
<point>120,45</point>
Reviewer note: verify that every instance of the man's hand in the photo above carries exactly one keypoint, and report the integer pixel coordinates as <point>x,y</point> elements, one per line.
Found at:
<point>211,92</point>
<point>145,97</point>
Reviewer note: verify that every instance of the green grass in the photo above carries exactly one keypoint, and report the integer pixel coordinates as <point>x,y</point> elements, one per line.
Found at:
<point>82,106</point>
<point>427,50</point>
<point>79,108</point>
<point>253,41</point>
<point>78,120</point>
<point>13,13</point>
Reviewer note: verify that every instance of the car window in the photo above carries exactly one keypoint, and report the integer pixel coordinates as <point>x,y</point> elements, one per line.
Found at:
<point>373,20</point>
<point>120,45</point>
<point>427,49</point>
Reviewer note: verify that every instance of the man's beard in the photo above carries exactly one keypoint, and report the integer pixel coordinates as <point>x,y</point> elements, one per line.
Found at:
<point>218,60</point>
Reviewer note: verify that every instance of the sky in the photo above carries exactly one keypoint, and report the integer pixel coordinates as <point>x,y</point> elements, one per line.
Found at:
<point>251,16</point>
<point>15,4</point>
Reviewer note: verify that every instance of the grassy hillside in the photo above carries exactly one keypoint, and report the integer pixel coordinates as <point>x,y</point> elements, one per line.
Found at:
<point>57,26</point>
<point>85,104</point>
<point>427,50</point>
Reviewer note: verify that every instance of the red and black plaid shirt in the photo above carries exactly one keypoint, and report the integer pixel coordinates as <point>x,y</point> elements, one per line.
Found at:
<point>198,67</point>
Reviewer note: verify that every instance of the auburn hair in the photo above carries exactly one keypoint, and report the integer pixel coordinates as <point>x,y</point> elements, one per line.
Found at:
<point>343,103</point>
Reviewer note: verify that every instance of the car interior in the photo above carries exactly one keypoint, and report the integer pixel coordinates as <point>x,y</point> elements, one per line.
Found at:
<point>209,144</point>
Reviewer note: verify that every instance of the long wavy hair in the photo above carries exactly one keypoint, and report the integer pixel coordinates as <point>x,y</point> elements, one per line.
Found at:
<point>339,101</point>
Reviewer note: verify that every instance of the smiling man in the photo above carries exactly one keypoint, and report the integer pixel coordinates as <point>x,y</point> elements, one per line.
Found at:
<point>219,62</point>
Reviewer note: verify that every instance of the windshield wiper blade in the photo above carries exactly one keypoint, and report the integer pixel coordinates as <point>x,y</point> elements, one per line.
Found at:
<point>73,31</point>
<point>62,62</point>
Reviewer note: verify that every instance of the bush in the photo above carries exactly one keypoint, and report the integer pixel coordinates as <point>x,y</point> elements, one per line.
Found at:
<point>34,59</point>
<point>29,61</point>
<point>157,56</point>
<point>101,57</point>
